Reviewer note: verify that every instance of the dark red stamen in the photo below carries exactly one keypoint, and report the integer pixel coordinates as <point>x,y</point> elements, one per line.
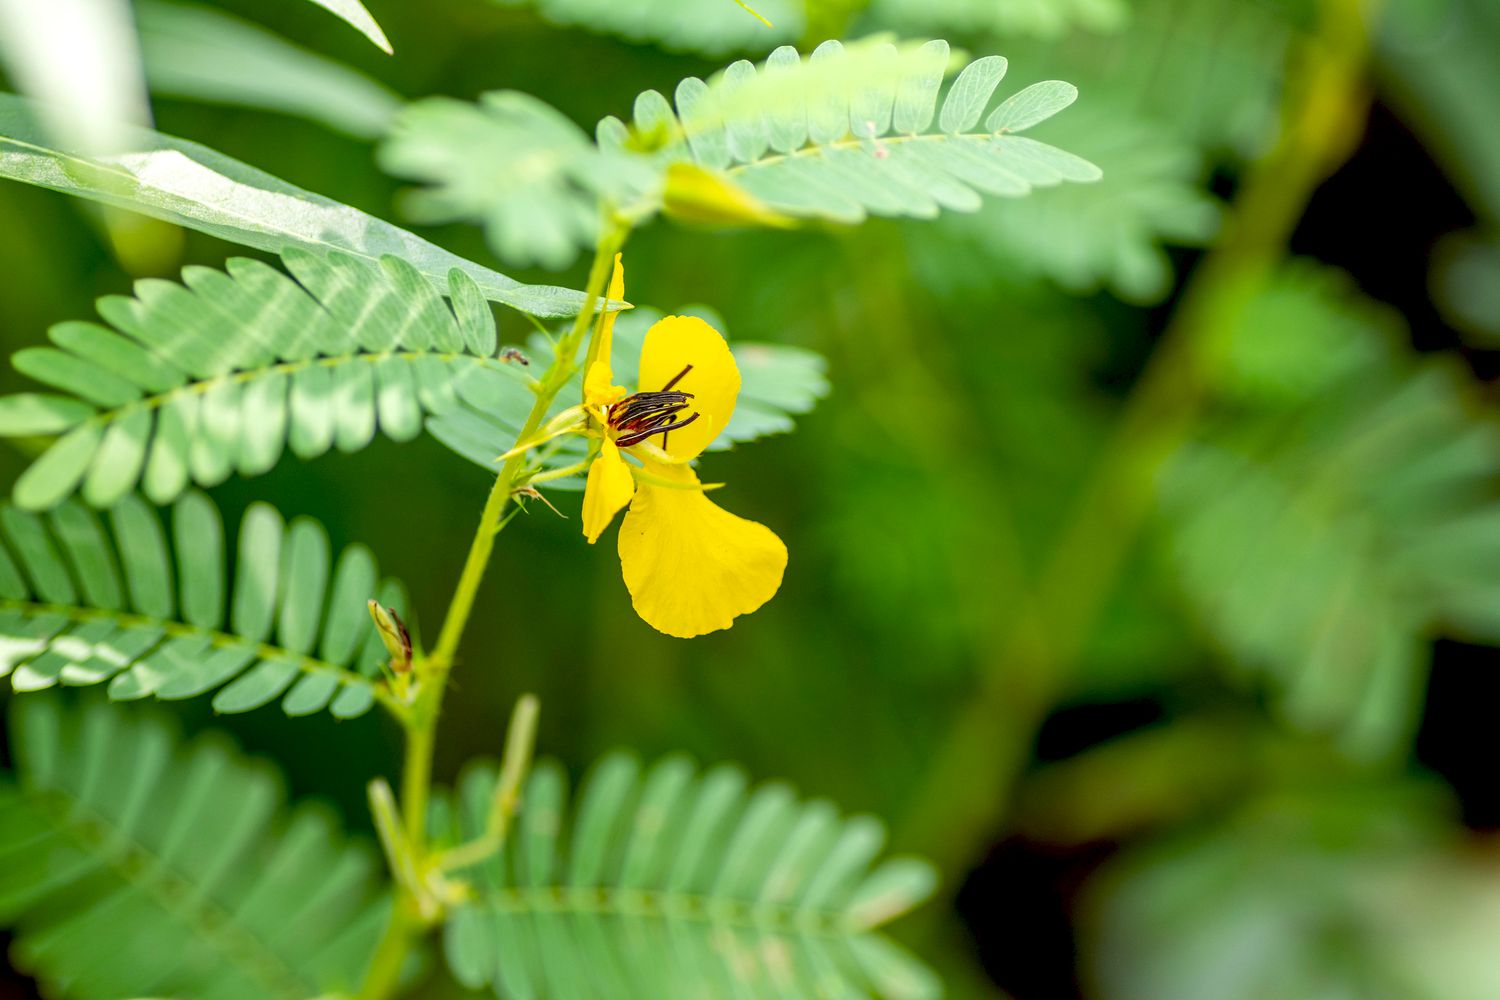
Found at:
<point>676,379</point>
<point>644,415</point>
<point>636,437</point>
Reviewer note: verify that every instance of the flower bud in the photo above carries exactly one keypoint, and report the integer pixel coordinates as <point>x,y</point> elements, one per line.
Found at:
<point>393,633</point>
<point>708,198</point>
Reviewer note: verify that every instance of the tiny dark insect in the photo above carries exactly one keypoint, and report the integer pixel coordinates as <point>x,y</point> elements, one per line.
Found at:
<point>513,354</point>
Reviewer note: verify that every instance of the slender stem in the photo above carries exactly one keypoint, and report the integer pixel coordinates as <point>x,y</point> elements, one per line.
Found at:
<point>384,972</point>
<point>431,671</point>
<point>969,785</point>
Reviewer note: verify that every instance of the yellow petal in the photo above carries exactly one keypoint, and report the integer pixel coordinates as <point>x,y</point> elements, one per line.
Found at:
<point>598,377</point>
<point>696,194</point>
<point>673,344</point>
<point>610,487</point>
<point>692,567</point>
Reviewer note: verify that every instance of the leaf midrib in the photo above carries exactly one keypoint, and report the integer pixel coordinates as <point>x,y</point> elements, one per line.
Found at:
<point>857,142</point>
<point>172,629</point>
<point>202,387</point>
<point>139,866</point>
<point>667,906</point>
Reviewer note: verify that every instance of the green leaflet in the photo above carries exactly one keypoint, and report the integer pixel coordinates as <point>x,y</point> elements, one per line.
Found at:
<point>225,372</point>
<point>178,863</point>
<point>670,882</point>
<point>82,604</point>
<point>1345,514</point>
<point>196,187</point>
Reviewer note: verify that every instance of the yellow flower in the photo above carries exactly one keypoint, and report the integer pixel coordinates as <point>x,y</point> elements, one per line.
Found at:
<point>691,567</point>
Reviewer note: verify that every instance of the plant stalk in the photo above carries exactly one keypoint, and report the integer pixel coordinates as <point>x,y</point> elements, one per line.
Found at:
<point>420,719</point>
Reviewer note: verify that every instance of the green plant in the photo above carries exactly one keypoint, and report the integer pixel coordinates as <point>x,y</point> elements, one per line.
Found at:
<point>663,883</point>
<point>1074,429</point>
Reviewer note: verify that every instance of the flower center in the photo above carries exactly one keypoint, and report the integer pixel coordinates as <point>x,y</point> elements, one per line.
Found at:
<point>642,415</point>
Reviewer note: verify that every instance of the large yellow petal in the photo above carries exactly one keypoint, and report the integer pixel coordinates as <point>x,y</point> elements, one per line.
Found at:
<point>673,344</point>
<point>598,376</point>
<point>692,567</point>
<point>609,487</point>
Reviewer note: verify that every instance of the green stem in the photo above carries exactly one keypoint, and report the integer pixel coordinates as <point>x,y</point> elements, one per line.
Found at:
<point>383,975</point>
<point>431,671</point>
<point>971,780</point>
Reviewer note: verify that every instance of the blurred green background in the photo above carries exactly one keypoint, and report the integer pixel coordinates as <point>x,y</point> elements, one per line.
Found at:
<point>1255,758</point>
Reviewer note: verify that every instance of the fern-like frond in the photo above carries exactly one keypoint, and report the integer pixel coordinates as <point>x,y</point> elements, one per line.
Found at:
<point>226,371</point>
<point>777,383</point>
<point>708,27</point>
<point>1342,512</point>
<point>845,133</point>
<point>667,882</point>
<point>193,186</point>
<point>81,604</point>
<point>849,132</point>
<point>136,866</point>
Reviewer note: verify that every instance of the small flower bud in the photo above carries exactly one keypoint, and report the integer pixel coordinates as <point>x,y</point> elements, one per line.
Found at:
<point>393,633</point>
<point>708,198</point>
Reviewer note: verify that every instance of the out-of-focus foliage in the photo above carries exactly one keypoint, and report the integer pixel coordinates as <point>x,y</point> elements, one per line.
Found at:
<point>674,883</point>
<point>527,173</point>
<point>80,59</point>
<point>1439,60</point>
<point>1439,55</point>
<point>1180,88</point>
<point>203,54</point>
<point>169,621</point>
<point>1341,510</point>
<point>1306,894</point>
<point>139,866</point>
<point>1047,18</point>
<point>710,27</point>
<point>1466,283</point>
<point>1106,234</point>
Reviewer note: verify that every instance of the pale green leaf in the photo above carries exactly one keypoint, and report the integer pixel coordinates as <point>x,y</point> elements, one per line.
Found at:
<point>354,12</point>
<point>193,186</point>
<point>204,54</point>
